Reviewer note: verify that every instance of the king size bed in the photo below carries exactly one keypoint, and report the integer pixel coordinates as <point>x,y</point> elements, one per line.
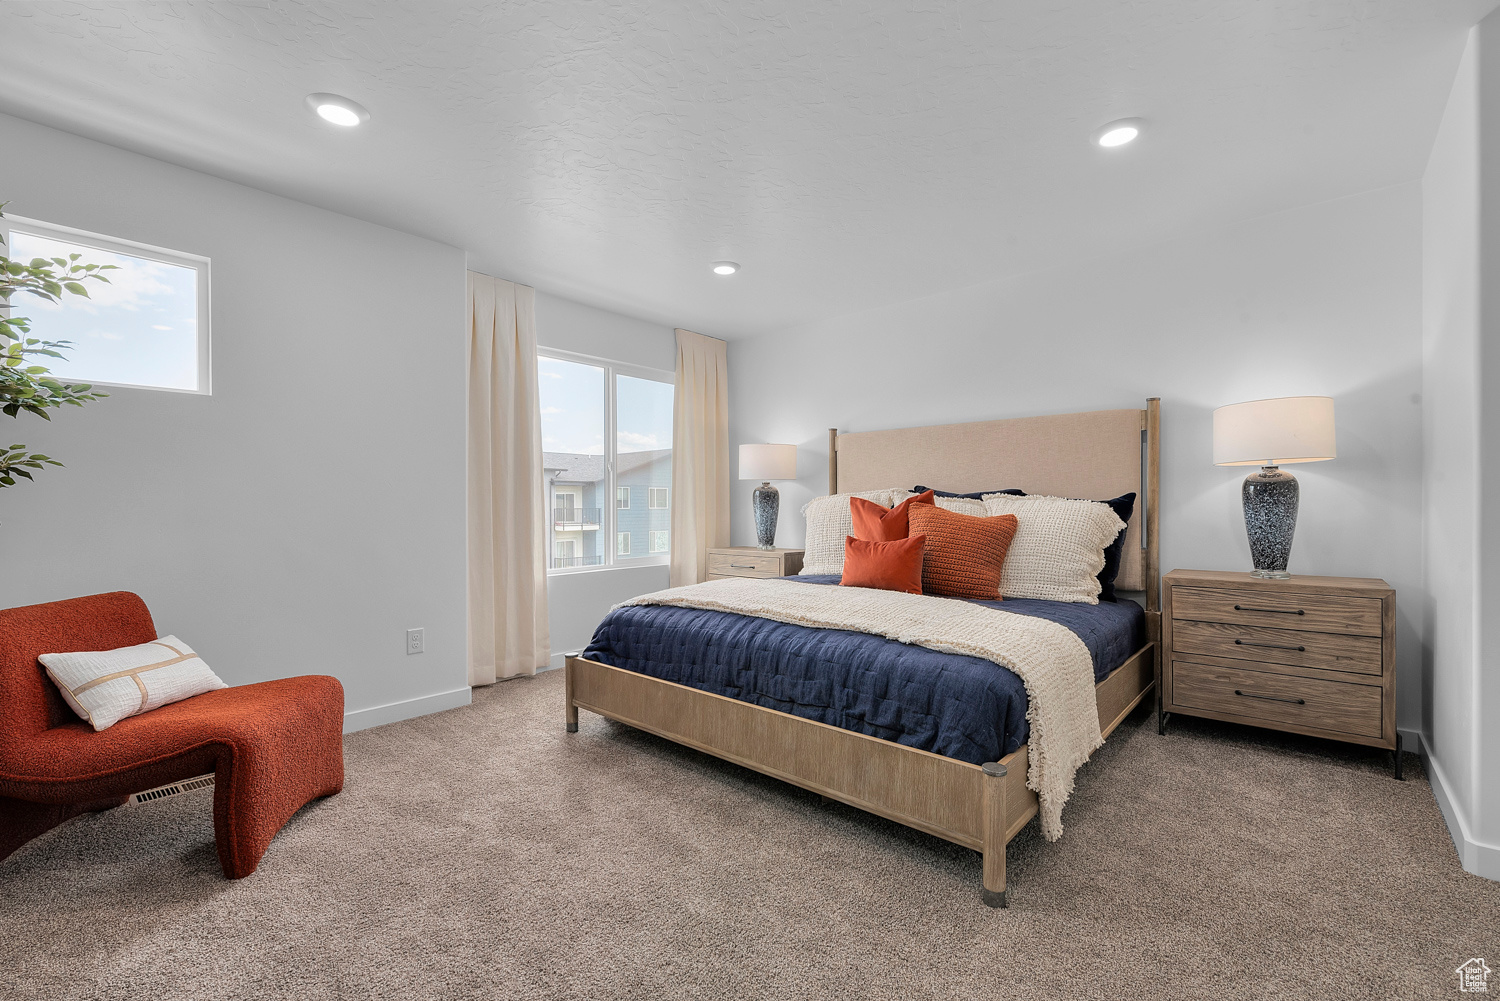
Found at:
<point>933,712</point>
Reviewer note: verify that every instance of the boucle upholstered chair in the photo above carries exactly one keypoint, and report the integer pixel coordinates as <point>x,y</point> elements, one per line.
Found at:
<point>274,746</point>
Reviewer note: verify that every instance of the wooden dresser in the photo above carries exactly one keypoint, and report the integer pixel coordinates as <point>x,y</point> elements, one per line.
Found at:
<point>1313,655</point>
<point>750,561</point>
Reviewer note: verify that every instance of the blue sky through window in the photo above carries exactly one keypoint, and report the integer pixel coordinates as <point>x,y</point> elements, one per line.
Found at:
<point>643,420</point>
<point>140,329</point>
<point>572,399</point>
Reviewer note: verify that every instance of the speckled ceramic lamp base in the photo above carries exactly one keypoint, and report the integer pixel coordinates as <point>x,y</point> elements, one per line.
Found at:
<point>767,501</point>
<point>1270,498</point>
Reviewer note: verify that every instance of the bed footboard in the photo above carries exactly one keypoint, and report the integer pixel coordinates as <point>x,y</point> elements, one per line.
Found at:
<point>980,807</point>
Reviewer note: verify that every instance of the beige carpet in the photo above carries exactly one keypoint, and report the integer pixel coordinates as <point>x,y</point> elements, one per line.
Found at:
<point>485,853</point>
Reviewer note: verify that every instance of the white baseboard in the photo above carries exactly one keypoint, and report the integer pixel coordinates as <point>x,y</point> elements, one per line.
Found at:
<point>1475,856</point>
<point>363,719</point>
<point>559,659</point>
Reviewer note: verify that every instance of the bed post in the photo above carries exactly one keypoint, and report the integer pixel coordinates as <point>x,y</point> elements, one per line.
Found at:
<point>833,461</point>
<point>994,834</point>
<point>1150,529</point>
<point>571,717</point>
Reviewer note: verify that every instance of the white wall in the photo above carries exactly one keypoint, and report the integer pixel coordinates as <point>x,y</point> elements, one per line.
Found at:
<point>577,601</point>
<point>303,516</point>
<point>1486,692</point>
<point>1322,300</point>
<point>1450,442</point>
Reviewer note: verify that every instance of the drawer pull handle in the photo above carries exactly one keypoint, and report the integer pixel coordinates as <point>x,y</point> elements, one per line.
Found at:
<point>1272,646</point>
<point>742,566</point>
<point>1275,611</point>
<point>1270,698</point>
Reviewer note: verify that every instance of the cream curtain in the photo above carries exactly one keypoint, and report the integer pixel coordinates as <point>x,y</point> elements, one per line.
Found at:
<point>700,455</point>
<point>507,520</point>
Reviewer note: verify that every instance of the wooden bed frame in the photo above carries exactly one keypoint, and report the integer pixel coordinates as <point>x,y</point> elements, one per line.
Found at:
<point>978,806</point>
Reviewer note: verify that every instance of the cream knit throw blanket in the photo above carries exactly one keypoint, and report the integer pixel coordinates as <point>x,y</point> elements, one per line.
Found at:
<point>1053,663</point>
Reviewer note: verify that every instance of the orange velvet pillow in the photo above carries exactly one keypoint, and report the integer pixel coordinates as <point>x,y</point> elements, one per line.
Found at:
<point>964,553</point>
<point>889,566</point>
<point>875,523</point>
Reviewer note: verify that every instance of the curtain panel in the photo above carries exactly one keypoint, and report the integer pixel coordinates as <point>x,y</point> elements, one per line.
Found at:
<point>507,502</point>
<point>700,455</point>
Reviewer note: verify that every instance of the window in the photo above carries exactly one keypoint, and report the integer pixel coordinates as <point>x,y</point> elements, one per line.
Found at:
<point>148,327</point>
<point>606,431</point>
<point>659,542</point>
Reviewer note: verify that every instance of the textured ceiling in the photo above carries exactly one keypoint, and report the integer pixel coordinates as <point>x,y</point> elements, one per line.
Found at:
<point>847,154</point>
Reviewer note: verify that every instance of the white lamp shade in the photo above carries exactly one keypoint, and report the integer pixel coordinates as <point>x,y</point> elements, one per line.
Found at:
<point>1274,432</point>
<point>768,462</point>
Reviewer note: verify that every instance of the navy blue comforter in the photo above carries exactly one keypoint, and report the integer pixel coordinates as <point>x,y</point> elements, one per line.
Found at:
<point>960,707</point>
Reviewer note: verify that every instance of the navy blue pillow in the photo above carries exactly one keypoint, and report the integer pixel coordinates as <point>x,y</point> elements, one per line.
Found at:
<point>1122,505</point>
<point>973,496</point>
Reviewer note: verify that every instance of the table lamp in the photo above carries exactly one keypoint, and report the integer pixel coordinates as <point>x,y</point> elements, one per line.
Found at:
<point>1270,433</point>
<point>767,463</point>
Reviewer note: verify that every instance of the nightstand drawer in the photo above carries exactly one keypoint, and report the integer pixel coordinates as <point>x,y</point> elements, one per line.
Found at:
<point>1278,698</point>
<point>1317,613</point>
<point>1293,647</point>
<point>744,565</point>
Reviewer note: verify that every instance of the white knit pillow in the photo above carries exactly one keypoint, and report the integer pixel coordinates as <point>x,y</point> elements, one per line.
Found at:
<point>1058,548</point>
<point>829,523</point>
<point>105,686</point>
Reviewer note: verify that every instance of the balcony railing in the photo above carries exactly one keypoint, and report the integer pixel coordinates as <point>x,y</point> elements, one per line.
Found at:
<point>575,517</point>
<point>566,562</point>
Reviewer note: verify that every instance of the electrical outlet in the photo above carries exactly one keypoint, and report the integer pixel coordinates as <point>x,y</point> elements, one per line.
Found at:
<point>413,641</point>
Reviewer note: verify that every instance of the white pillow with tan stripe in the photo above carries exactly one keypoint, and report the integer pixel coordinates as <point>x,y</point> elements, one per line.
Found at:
<point>105,686</point>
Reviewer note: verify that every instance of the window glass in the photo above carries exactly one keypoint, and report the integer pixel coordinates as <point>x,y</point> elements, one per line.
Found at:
<point>573,461</point>
<point>605,432</point>
<point>146,327</point>
<point>643,437</point>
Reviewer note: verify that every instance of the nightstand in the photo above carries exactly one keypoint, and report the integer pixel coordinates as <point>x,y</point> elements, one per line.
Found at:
<point>1312,655</point>
<point>750,561</point>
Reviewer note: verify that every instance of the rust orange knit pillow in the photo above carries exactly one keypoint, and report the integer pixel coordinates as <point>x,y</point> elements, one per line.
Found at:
<point>964,554</point>
<point>889,566</point>
<point>874,523</point>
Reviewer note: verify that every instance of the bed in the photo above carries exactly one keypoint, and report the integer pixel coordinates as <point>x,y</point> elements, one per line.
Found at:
<point>966,782</point>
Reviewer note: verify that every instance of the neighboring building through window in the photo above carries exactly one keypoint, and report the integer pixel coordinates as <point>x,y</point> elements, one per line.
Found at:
<point>606,430</point>
<point>148,327</point>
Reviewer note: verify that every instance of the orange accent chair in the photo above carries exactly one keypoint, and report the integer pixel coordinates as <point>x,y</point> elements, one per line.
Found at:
<point>274,746</point>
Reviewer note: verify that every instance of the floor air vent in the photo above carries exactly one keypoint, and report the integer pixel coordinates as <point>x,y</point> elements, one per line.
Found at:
<point>175,789</point>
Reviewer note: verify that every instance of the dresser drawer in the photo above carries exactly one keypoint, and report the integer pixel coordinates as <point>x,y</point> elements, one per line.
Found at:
<point>1293,647</point>
<point>743,565</point>
<point>1278,698</point>
<point>1317,613</point>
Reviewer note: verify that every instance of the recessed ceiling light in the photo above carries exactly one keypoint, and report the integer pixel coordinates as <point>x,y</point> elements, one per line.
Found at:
<point>1119,133</point>
<point>338,110</point>
<point>725,267</point>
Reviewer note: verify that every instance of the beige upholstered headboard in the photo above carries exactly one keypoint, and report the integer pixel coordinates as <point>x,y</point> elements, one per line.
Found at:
<point>1095,455</point>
